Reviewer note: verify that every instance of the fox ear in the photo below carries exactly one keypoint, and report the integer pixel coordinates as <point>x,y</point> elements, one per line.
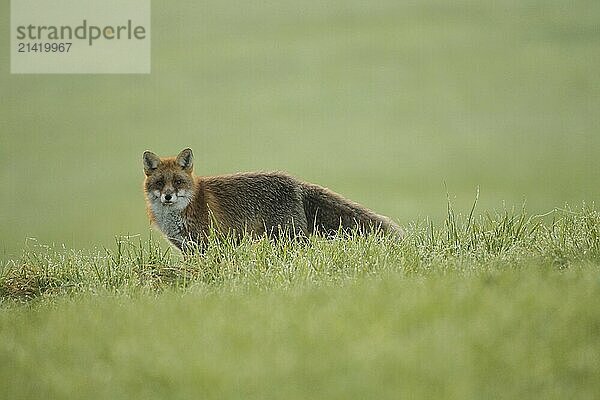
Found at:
<point>151,162</point>
<point>186,159</point>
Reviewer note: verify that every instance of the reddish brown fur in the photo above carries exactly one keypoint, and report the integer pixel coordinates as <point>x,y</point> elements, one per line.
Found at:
<point>255,203</point>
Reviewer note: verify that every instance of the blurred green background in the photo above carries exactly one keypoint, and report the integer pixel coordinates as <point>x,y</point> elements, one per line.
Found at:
<point>380,101</point>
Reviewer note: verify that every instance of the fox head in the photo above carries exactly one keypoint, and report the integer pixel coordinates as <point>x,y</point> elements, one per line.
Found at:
<point>169,181</point>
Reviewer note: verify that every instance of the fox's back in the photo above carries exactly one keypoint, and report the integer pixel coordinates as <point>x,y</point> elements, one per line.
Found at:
<point>253,185</point>
<point>253,200</point>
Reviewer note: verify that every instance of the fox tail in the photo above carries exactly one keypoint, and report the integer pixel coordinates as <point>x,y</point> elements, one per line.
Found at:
<point>327,212</point>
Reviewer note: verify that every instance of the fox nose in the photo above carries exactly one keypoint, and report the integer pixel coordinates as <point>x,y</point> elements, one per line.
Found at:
<point>168,197</point>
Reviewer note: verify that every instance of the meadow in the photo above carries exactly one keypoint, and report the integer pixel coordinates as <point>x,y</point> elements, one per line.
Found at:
<point>501,306</point>
<point>412,109</point>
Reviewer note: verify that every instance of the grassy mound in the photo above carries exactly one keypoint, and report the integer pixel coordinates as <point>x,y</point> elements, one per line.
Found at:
<point>496,306</point>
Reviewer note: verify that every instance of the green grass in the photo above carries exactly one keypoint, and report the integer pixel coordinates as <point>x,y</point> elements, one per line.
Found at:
<point>463,245</point>
<point>491,306</point>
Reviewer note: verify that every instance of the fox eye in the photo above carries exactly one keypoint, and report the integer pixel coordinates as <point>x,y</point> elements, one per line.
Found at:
<point>159,184</point>
<point>178,181</point>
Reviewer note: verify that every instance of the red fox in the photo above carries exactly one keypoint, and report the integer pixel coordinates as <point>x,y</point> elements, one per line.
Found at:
<point>185,207</point>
